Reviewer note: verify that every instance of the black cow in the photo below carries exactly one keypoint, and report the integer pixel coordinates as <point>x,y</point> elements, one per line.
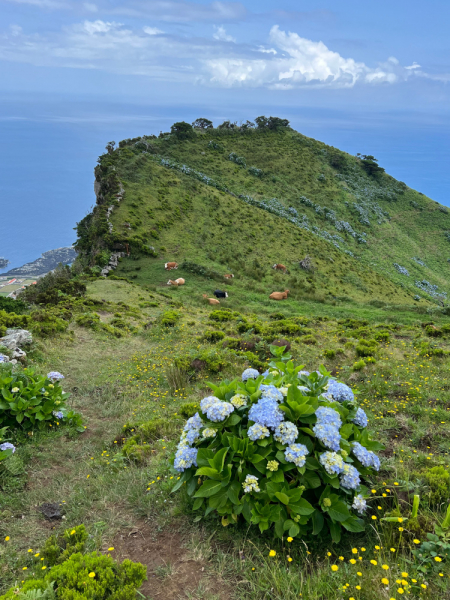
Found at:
<point>220,294</point>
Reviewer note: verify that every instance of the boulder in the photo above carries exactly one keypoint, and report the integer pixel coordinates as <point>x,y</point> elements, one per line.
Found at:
<point>15,338</point>
<point>19,354</point>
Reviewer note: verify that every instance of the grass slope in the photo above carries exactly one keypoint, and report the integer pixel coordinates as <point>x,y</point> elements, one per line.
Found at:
<point>189,201</point>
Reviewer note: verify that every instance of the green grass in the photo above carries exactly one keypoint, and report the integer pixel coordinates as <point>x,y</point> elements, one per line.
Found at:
<point>119,384</point>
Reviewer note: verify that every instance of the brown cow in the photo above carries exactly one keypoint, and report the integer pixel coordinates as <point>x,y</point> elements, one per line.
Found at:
<point>210,300</point>
<point>179,281</point>
<point>170,265</point>
<point>279,267</point>
<point>279,295</point>
<point>229,276</point>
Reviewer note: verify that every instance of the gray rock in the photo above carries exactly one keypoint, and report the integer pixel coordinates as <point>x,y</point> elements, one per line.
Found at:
<point>15,338</point>
<point>19,354</point>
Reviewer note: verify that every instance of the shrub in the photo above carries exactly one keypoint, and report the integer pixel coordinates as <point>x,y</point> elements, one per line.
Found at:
<point>284,326</point>
<point>278,457</point>
<point>10,305</point>
<point>231,343</point>
<point>58,548</point>
<point>382,336</point>
<point>223,315</point>
<point>328,353</point>
<point>30,400</point>
<point>213,336</point>
<point>366,348</point>
<point>91,320</point>
<point>188,409</point>
<point>307,339</point>
<point>170,318</point>
<point>360,364</point>
<point>438,480</point>
<point>10,320</point>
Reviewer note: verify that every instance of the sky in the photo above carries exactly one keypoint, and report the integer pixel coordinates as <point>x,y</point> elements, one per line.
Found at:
<point>364,77</point>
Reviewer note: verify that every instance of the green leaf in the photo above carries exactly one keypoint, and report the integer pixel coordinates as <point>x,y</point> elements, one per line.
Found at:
<point>312,479</point>
<point>353,524</point>
<point>203,456</point>
<point>284,498</point>
<point>302,507</point>
<point>19,418</point>
<point>233,419</point>
<point>197,503</point>
<point>294,530</point>
<point>277,476</point>
<point>219,499</point>
<point>191,485</point>
<point>180,482</point>
<point>208,489</point>
<point>339,511</point>
<point>312,463</point>
<point>256,458</point>
<point>346,431</point>
<point>279,529</point>
<point>219,459</point>
<point>233,492</point>
<point>318,522</point>
<point>335,530</point>
<point>209,472</point>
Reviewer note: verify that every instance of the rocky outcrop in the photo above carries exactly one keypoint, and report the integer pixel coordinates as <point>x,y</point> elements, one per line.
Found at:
<point>113,262</point>
<point>47,262</point>
<point>15,338</point>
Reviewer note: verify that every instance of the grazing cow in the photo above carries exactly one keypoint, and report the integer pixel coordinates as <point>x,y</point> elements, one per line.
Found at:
<point>220,294</point>
<point>179,281</point>
<point>279,267</point>
<point>279,295</point>
<point>171,265</point>
<point>210,300</point>
<point>229,276</point>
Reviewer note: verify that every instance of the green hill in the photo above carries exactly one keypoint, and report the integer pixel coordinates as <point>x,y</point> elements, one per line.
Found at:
<point>241,199</point>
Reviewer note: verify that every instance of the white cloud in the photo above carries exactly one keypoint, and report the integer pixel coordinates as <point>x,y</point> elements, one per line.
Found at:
<point>222,35</point>
<point>413,66</point>
<point>152,31</point>
<point>288,61</point>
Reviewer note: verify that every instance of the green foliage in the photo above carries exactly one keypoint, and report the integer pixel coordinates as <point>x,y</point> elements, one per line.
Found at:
<point>206,359</point>
<point>223,315</point>
<point>192,267</point>
<point>329,353</point>
<point>256,481</point>
<point>366,348</point>
<point>359,365</point>
<point>55,287</point>
<point>307,339</point>
<point>10,305</point>
<point>188,409</point>
<point>213,336</point>
<point>438,480</point>
<point>28,399</point>
<point>284,326</point>
<point>59,547</point>
<point>170,318</point>
<point>38,594</point>
<point>88,319</point>
<point>370,166</point>
<point>182,130</point>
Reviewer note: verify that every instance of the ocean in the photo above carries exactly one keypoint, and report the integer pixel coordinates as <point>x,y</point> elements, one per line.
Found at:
<point>49,151</point>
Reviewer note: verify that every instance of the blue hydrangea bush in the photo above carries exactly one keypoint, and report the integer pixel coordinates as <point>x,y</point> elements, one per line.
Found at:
<point>287,450</point>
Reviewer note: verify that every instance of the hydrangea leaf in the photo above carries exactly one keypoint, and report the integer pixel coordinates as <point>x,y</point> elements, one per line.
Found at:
<point>282,497</point>
<point>209,488</point>
<point>318,522</point>
<point>302,507</point>
<point>335,530</point>
<point>354,524</point>
<point>197,503</point>
<point>209,472</point>
<point>339,511</point>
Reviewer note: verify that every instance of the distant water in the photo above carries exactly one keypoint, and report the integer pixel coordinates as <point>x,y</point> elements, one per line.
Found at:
<point>48,154</point>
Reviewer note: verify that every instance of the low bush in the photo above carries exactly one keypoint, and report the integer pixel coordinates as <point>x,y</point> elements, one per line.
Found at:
<point>307,339</point>
<point>88,319</point>
<point>10,305</point>
<point>360,364</point>
<point>366,348</point>
<point>279,455</point>
<point>188,409</point>
<point>205,359</point>
<point>283,326</point>
<point>328,353</point>
<point>11,320</point>
<point>213,336</point>
<point>438,480</point>
<point>31,400</point>
<point>170,318</point>
<point>223,315</point>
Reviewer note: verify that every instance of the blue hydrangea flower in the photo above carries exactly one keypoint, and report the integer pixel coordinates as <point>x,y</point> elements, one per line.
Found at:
<point>192,435</point>
<point>208,432</point>
<point>250,374</point>
<point>300,373</point>
<point>58,414</point>
<point>266,372</point>
<point>366,457</point>
<point>350,477</point>
<point>303,388</point>
<point>359,504</point>
<point>286,433</point>
<point>328,435</point>
<point>251,484</point>
<point>328,416</point>
<point>339,391</point>
<point>332,462</point>
<point>54,376</point>
<point>207,402</point>
<point>239,400</point>
<point>266,412</point>
<point>219,411</point>
<point>194,422</point>
<point>296,453</point>
<point>185,458</point>
<point>257,432</point>
<point>272,392</point>
<point>3,358</point>
<point>7,446</point>
<point>360,418</point>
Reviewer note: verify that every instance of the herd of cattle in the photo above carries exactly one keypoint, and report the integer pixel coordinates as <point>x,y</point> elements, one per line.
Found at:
<point>169,266</point>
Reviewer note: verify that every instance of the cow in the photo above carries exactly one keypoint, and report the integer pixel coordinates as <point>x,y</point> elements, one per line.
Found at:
<point>279,267</point>
<point>170,265</point>
<point>210,300</point>
<point>229,276</point>
<point>279,295</point>
<point>179,281</point>
<point>220,294</point>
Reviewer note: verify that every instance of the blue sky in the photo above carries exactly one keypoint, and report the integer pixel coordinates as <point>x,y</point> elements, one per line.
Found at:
<point>324,53</point>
